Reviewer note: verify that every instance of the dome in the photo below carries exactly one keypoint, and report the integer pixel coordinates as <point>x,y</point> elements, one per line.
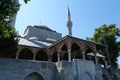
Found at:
<point>43,27</point>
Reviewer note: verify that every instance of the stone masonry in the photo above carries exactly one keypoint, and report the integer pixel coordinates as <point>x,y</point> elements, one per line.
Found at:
<point>16,69</point>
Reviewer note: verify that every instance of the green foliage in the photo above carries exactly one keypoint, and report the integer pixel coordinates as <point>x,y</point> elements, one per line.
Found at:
<point>110,33</point>
<point>7,9</point>
<point>8,35</point>
<point>8,43</point>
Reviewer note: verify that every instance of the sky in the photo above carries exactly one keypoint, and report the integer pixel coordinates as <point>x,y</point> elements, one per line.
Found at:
<point>86,15</point>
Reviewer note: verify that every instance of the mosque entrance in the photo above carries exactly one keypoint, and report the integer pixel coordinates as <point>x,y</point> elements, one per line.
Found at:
<point>34,76</point>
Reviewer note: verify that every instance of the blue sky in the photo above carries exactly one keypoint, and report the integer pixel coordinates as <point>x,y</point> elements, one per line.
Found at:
<point>86,15</point>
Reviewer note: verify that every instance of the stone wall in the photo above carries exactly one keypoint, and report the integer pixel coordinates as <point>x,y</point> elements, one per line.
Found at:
<point>116,74</point>
<point>66,70</point>
<point>98,69</point>
<point>83,70</point>
<point>12,69</point>
<point>77,70</point>
<point>15,69</point>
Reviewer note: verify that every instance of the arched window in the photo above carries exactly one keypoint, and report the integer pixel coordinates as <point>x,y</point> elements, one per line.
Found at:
<point>41,55</point>
<point>34,76</point>
<point>25,54</point>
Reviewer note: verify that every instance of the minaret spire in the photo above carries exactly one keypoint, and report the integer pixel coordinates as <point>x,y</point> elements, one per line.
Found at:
<point>69,23</point>
<point>69,14</point>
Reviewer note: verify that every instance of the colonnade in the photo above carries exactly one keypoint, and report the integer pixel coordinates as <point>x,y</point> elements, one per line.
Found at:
<point>34,52</point>
<point>70,44</point>
<point>82,46</point>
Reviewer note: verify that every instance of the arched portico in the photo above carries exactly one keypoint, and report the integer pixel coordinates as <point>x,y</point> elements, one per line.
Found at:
<point>25,53</point>
<point>41,56</point>
<point>76,51</point>
<point>54,57</point>
<point>64,52</point>
<point>70,47</point>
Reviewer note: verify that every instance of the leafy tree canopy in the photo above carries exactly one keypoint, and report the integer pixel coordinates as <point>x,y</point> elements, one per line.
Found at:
<point>8,35</point>
<point>108,34</point>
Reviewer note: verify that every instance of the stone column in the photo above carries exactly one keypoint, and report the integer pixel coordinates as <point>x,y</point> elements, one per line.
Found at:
<point>34,51</point>
<point>34,55</point>
<point>58,54</point>
<point>17,53</point>
<point>95,54</point>
<point>49,54</point>
<point>83,48</point>
<point>96,60</point>
<point>69,44</point>
<point>83,55</point>
<point>49,58</point>
<point>69,54</point>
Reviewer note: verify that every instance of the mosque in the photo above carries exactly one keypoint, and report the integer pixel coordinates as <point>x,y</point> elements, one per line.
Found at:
<point>41,43</point>
<point>45,55</point>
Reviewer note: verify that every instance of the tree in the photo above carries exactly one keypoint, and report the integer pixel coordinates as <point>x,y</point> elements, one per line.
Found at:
<point>8,35</point>
<point>108,34</point>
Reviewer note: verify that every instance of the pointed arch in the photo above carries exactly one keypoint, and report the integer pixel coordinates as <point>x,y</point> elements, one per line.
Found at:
<point>64,47</point>
<point>76,51</point>
<point>34,76</point>
<point>41,56</point>
<point>89,50</point>
<point>78,54</point>
<point>64,54</point>
<point>54,57</point>
<point>75,47</point>
<point>25,54</point>
<point>89,57</point>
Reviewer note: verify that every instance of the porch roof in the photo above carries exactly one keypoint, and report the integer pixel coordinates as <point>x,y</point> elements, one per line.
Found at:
<point>99,46</point>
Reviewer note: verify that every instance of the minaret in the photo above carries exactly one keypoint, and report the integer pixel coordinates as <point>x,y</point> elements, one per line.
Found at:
<point>69,23</point>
